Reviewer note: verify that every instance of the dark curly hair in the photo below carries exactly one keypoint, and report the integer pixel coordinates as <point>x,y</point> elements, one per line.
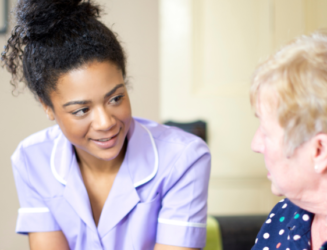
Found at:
<point>53,37</point>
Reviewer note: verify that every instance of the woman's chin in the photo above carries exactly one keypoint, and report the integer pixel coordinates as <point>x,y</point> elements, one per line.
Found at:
<point>108,157</point>
<point>103,155</point>
<point>275,190</point>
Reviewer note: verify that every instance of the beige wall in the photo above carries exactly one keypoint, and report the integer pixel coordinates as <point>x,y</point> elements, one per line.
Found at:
<point>208,52</point>
<point>136,22</point>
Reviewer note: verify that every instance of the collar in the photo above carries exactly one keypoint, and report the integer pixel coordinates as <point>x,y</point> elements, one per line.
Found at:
<point>141,154</point>
<point>62,156</point>
<point>299,228</point>
<point>301,222</point>
<point>140,166</point>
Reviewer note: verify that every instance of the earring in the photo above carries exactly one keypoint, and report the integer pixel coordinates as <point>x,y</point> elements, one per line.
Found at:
<point>47,114</point>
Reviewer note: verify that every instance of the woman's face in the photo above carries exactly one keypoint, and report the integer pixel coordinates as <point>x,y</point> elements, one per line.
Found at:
<point>92,108</point>
<point>290,176</point>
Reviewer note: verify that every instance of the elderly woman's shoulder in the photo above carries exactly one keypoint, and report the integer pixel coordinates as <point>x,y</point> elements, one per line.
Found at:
<point>281,220</point>
<point>282,211</point>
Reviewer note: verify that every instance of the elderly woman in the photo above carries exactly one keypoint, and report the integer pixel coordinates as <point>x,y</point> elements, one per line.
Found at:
<point>289,95</point>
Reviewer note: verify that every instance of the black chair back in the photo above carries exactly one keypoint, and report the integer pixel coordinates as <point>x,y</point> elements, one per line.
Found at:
<point>198,128</point>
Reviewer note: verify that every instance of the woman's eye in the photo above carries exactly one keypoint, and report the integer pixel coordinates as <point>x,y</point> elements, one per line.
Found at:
<point>81,112</point>
<point>116,100</point>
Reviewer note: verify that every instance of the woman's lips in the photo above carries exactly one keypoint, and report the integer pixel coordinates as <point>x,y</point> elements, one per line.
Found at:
<point>105,143</point>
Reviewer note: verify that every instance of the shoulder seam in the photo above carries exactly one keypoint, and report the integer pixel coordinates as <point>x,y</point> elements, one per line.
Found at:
<point>183,151</point>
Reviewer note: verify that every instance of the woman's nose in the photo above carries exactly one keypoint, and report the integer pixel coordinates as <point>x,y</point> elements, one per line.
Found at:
<point>257,144</point>
<point>103,120</point>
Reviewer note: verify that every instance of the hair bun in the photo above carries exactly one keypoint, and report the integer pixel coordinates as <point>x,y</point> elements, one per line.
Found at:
<point>40,18</point>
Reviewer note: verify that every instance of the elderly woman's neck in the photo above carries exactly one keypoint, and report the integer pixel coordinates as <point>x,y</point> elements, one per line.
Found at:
<point>318,231</point>
<point>313,198</point>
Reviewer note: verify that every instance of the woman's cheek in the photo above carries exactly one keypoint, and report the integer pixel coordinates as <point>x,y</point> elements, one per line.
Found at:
<point>123,113</point>
<point>76,129</point>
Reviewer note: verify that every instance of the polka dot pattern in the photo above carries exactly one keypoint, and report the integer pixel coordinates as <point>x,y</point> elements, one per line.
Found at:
<point>297,237</point>
<point>286,228</point>
<point>305,217</point>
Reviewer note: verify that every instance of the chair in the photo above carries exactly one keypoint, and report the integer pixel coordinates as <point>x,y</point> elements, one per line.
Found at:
<point>233,232</point>
<point>198,128</point>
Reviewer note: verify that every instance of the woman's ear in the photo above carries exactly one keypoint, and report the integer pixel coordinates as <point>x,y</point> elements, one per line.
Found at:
<point>48,111</point>
<point>320,153</point>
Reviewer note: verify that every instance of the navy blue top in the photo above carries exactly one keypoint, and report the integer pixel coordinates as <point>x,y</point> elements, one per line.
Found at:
<point>287,227</point>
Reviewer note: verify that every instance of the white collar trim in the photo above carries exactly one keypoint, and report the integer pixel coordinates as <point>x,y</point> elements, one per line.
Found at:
<point>156,161</point>
<point>52,161</point>
<point>137,184</point>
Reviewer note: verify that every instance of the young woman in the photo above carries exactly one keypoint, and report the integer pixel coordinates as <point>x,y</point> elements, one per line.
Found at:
<point>100,179</point>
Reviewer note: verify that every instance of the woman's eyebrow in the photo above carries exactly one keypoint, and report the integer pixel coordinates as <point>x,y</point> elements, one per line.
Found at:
<point>87,101</point>
<point>114,90</point>
<point>76,103</point>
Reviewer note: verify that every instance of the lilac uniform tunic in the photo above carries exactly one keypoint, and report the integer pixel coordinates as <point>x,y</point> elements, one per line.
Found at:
<point>159,194</point>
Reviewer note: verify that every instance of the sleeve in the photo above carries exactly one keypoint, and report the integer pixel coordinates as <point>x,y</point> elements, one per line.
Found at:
<point>33,214</point>
<point>183,215</point>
